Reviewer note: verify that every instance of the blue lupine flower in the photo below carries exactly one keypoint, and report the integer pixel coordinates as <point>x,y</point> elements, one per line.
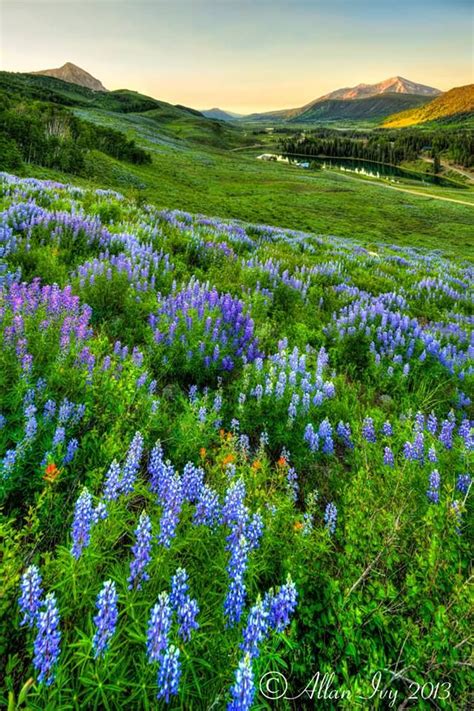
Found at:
<point>243,690</point>
<point>432,456</point>
<point>58,437</point>
<point>179,588</point>
<point>141,553</point>
<point>434,484</point>
<point>343,431</point>
<point>105,620</point>
<point>132,464</point>
<point>463,483</point>
<point>71,450</point>
<point>31,595</point>
<point>187,614</point>
<point>432,423</point>
<point>330,517</point>
<point>388,458</point>
<point>292,483</point>
<point>208,509</point>
<point>256,629</point>
<point>156,466</point>
<point>159,626</point>
<point>192,481</point>
<point>100,512</point>
<point>311,437</point>
<point>368,430</point>
<point>169,674</point>
<point>81,525</point>
<point>254,531</point>
<point>281,605</point>
<point>47,641</point>
<point>387,429</point>
<point>446,434</point>
<point>112,482</point>
<point>235,598</point>
<point>172,503</point>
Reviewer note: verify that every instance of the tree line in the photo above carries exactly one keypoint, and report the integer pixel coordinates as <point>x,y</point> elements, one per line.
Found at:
<point>51,136</point>
<point>384,147</point>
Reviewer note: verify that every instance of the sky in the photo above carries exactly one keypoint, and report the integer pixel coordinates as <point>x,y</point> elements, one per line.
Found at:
<point>242,55</point>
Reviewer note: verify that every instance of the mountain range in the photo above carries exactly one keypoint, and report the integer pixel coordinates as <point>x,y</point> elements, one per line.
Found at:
<point>394,94</point>
<point>395,101</point>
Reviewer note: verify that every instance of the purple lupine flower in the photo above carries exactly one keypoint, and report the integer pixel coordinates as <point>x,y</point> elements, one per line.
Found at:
<point>132,464</point>
<point>463,483</point>
<point>82,523</point>
<point>30,599</point>
<point>141,553</point>
<point>432,423</point>
<point>112,482</point>
<point>159,626</point>
<point>234,507</point>
<point>330,517</point>
<point>105,620</point>
<point>192,480</point>
<point>343,431</point>
<point>47,641</point>
<point>433,488</point>
<point>368,430</point>
<point>235,598</point>
<point>243,689</point>
<point>432,456</point>
<point>208,509</point>
<point>71,450</point>
<point>254,531</point>
<point>292,483</point>
<point>100,512</point>
<point>325,434</point>
<point>169,674</point>
<point>172,503</point>
<point>179,589</point>
<point>311,437</point>
<point>156,465</point>
<point>58,437</point>
<point>187,614</point>
<point>446,434</point>
<point>256,629</point>
<point>388,458</point>
<point>281,605</point>
<point>387,429</point>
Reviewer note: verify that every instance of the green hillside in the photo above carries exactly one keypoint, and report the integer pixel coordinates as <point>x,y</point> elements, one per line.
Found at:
<point>455,105</point>
<point>373,107</point>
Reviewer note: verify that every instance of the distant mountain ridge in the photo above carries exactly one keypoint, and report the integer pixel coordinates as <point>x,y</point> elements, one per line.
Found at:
<point>74,75</point>
<point>395,86</point>
<point>455,102</point>
<point>220,114</point>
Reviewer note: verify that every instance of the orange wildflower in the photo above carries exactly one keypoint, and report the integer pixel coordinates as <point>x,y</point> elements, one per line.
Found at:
<point>256,465</point>
<point>298,526</point>
<point>228,459</point>
<point>282,462</point>
<point>51,472</point>
<point>202,452</point>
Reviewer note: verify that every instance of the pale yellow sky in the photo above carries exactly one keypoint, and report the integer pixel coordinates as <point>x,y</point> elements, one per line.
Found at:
<point>240,55</point>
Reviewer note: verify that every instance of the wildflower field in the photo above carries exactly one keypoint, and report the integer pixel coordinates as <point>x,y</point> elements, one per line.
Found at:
<point>231,456</point>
